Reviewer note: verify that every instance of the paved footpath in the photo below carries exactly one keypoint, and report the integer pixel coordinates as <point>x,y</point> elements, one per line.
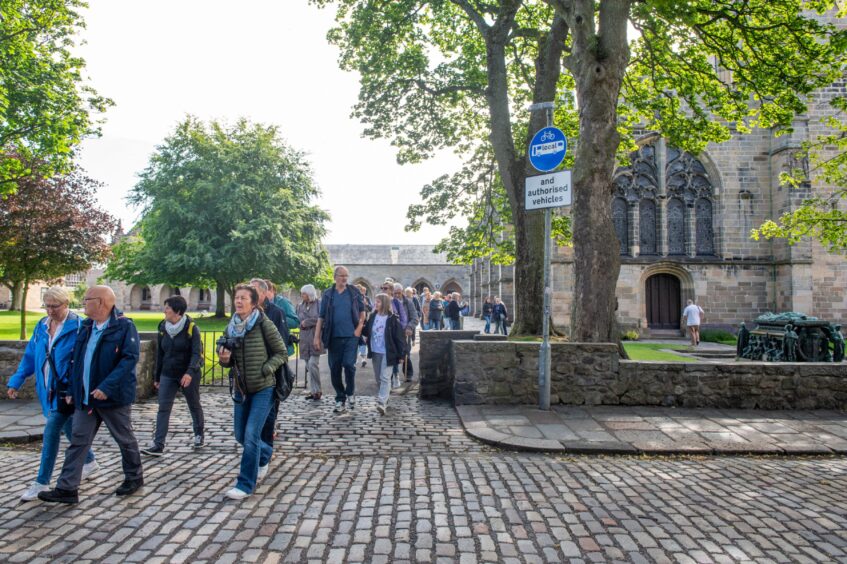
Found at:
<point>657,430</point>
<point>412,486</point>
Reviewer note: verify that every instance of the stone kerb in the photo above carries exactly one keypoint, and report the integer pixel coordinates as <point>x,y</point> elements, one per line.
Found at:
<point>11,353</point>
<point>591,374</point>
<point>435,366</point>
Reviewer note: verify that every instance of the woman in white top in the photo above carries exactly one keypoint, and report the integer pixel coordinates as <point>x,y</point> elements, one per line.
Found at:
<point>386,346</point>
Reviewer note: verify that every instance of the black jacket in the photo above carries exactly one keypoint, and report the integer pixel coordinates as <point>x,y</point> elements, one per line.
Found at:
<point>395,342</point>
<point>277,315</point>
<point>453,310</point>
<point>113,364</point>
<point>487,309</point>
<point>179,355</point>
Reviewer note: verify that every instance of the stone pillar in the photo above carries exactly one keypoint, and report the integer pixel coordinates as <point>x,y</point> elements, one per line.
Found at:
<point>661,220</point>
<point>634,229</point>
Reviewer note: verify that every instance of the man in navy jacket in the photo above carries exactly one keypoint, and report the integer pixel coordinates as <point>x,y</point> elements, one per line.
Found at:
<point>102,390</point>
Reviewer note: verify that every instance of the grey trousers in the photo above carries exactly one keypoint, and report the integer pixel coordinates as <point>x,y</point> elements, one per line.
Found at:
<point>313,370</point>
<point>85,425</point>
<point>168,387</point>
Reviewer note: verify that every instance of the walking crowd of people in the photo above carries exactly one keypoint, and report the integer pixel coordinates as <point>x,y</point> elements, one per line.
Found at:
<point>85,368</point>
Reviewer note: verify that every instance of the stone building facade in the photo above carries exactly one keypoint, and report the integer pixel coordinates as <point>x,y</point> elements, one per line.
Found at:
<point>684,222</point>
<point>413,266</point>
<point>144,297</point>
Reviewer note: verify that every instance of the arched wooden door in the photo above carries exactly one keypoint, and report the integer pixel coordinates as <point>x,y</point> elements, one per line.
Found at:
<point>664,305</point>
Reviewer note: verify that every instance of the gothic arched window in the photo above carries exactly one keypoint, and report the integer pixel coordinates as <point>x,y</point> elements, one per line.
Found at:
<point>647,227</point>
<point>621,221</point>
<point>705,232</point>
<point>676,227</point>
<point>668,185</point>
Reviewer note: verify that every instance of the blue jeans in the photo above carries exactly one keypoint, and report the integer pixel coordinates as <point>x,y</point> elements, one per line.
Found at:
<point>342,356</point>
<point>57,423</point>
<point>248,420</point>
<point>487,319</point>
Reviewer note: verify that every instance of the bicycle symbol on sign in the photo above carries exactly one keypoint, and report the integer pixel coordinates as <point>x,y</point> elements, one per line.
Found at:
<point>547,136</point>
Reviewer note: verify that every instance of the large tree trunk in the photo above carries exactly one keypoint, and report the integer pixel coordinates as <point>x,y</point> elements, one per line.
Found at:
<point>529,227</point>
<point>220,299</point>
<point>599,62</point>
<point>15,302</point>
<point>23,293</point>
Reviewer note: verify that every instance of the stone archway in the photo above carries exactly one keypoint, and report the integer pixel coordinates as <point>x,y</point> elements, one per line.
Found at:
<point>140,298</point>
<point>369,290</point>
<point>664,288</point>
<point>422,283</point>
<point>451,286</point>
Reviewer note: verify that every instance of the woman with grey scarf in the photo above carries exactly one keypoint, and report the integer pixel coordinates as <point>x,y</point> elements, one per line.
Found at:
<point>177,367</point>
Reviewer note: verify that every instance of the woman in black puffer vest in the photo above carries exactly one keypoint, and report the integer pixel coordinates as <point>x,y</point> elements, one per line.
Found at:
<point>180,354</point>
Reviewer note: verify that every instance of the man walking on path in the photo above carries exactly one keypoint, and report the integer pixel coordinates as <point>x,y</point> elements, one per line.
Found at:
<point>341,321</point>
<point>102,389</point>
<point>693,316</point>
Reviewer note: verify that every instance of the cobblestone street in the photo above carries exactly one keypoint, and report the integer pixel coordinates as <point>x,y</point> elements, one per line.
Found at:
<point>412,487</point>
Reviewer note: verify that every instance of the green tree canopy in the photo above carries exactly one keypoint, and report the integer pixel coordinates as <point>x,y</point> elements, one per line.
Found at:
<point>49,228</point>
<point>45,105</point>
<point>222,204</point>
<point>824,216</point>
<point>461,74</point>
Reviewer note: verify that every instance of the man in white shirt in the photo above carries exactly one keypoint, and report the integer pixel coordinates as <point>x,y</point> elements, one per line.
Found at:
<point>693,315</point>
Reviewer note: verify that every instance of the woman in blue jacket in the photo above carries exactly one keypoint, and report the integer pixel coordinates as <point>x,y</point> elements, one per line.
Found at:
<point>47,357</point>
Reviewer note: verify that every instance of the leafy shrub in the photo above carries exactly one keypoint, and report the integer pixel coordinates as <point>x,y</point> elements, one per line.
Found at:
<point>717,336</point>
<point>631,335</point>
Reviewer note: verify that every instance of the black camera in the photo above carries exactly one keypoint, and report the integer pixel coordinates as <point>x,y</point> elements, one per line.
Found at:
<point>229,343</point>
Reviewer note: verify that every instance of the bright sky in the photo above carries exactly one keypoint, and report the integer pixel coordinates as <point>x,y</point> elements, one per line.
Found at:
<point>267,60</point>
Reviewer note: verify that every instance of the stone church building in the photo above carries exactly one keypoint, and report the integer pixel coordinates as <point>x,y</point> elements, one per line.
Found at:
<point>683,223</point>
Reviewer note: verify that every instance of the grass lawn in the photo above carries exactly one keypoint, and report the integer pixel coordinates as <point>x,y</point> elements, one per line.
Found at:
<point>656,351</point>
<point>10,322</point>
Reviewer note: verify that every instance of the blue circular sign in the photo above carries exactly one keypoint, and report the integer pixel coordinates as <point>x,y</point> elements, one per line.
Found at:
<point>547,149</point>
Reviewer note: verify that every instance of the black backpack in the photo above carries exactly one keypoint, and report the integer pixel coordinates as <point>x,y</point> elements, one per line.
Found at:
<point>283,376</point>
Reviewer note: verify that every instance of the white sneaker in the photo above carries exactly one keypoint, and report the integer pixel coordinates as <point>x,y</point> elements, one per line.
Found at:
<point>32,492</point>
<point>339,407</point>
<point>89,469</point>
<point>395,381</point>
<point>381,408</point>
<point>351,402</point>
<point>263,471</point>
<point>236,494</point>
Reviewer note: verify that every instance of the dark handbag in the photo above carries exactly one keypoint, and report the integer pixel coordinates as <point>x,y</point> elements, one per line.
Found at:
<point>284,383</point>
<point>62,406</point>
<point>283,377</point>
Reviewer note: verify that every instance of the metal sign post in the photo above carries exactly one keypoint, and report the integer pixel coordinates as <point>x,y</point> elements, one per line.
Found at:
<point>546,152</point>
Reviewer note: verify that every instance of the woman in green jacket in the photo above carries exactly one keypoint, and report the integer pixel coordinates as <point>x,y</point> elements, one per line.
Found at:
<point>253,349</point>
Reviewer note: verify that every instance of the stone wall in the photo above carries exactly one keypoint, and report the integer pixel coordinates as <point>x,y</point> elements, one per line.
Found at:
<point>592,374</point>
<point>11,353</point>
<point>435,368</point>
<point>507,372</point>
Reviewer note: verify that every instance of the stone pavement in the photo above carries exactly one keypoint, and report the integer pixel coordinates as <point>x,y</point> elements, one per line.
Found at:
<point>20,420</point>
<point>411,486</point>
<point>657,430</point>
